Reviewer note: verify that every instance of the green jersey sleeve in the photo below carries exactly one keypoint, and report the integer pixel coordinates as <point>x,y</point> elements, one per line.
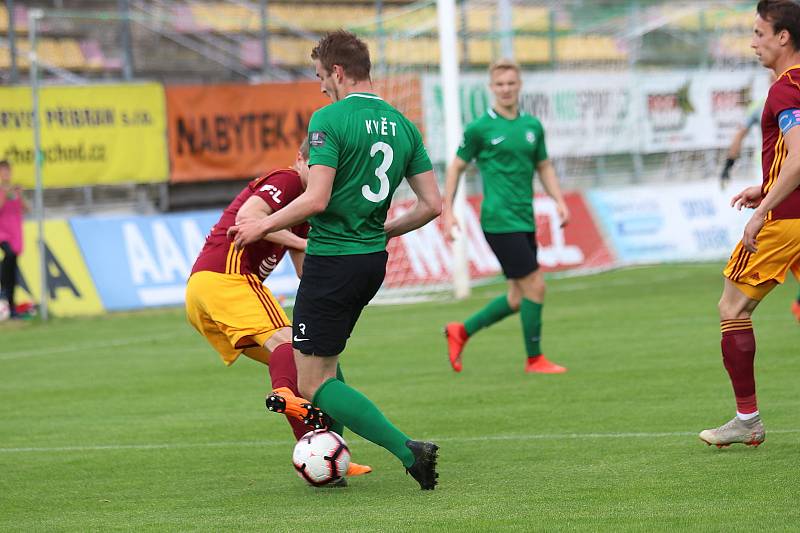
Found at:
<point>471,145</point>
<point>419,162</point>
<point>541,147</point>
<point>323,141</point>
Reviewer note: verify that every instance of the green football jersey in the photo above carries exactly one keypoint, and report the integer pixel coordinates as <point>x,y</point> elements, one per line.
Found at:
<point>506,152</point>
<point>373,147</point>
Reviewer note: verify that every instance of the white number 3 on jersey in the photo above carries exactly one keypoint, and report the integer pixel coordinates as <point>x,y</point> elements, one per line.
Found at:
<point>380,172</point>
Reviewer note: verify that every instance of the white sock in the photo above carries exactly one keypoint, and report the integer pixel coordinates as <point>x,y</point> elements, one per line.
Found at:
<point>748,416</point>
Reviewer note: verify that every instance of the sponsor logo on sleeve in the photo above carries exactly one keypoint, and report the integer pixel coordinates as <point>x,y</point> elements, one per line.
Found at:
<point>317,138</point>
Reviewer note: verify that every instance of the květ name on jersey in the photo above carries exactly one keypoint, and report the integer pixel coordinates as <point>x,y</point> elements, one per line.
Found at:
<point>381,127</point>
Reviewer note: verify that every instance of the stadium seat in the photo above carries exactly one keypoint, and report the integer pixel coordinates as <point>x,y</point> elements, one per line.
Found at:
<point>71,55</point>
<point>480,51</point>
<point>481,19</point>
<point>532,50</point>
<point>537,19</point>
<point>3,19</point>
<point>589,48</point>
<point>732,47</point>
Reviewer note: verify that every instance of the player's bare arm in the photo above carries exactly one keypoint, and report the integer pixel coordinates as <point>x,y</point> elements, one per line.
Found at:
<point>255,209</point>
<point>452,176</point>
<point>428,206</point>
<point>314,200</point>
<point>787,181</point>
<point>549,179</point>
<point>297,257</point>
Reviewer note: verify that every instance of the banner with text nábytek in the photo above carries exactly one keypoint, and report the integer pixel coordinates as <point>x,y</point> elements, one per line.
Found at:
<point>237,131</point>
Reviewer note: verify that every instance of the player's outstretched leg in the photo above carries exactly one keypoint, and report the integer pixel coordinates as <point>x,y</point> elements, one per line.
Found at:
<point>285,397</point>
<point>457,333</point>
<point>283,400</point>
<point>354,469</point>
<point>363,417</point>
<point>424,467</point>
<point>750,432</point>
<point>283,373</point>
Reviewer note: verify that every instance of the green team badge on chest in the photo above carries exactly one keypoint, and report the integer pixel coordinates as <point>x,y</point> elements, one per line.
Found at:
<point>530,136</point>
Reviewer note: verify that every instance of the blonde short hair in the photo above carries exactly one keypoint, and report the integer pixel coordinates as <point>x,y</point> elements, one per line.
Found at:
<point>504,64</point>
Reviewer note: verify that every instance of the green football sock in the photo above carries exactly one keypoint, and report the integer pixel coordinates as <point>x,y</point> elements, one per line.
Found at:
<point>494,311</point>
<point>531,315</point>
<point>363,417</point>
<point>336,426</point>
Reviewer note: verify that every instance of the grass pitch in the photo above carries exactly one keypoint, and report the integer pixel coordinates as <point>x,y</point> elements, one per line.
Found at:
<point>131,422</point>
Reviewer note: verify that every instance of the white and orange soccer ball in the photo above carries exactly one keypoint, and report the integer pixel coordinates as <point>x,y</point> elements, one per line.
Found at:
<point>321,457</point>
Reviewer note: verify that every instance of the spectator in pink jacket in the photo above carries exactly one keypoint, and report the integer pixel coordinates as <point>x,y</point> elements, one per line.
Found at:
<point>12,207</point>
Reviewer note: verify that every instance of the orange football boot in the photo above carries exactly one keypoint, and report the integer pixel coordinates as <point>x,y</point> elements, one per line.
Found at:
<point>356,469</point>
<point>456,339</point>
<point>283,400</point>
<point>541,365</point>
<point>796,310</point>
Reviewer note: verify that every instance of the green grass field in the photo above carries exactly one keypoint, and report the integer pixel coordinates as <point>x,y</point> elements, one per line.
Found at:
<point>131,422</point>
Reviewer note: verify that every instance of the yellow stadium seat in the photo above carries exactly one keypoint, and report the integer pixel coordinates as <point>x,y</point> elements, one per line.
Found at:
<point>532,50</point>
<point>588,48</point>
<point>72,55</point>
<point>734,46</point>
<point>480,51</point>
<point>3,19</point>
<point>481,19</point>
<point>527,18</point>
<point>416,51</point>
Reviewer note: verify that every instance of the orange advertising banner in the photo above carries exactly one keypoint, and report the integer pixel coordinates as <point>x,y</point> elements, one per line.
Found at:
<point>237,131</point>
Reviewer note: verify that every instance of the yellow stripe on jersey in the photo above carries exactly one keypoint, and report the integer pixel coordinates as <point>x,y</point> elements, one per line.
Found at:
<point>777,161</point>
<point>238,262</point>
<point>779,156</point>
<point>228,263</point>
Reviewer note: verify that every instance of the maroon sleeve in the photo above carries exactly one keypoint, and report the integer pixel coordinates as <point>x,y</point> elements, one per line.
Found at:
<point>784,94</point>
<point>301,230</point>
<point>279,189</point>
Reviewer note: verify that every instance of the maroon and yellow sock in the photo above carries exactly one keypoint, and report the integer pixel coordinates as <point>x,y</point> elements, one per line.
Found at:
<point>738,354</point>
<point>283,373</point>
<point>282,370</point>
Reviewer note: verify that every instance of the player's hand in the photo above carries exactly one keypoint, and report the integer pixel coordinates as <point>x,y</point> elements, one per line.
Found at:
<point>749,197</point>
<point>246,232</point>
<point>563,213</point>
<point>451,225</point>
<point>751,231</point>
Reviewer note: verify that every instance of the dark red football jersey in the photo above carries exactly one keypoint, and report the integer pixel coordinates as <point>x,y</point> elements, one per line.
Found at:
<point>784,94</point>
<point>277,188</point>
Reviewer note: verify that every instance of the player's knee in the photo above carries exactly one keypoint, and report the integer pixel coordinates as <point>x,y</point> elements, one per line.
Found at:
<point>534,288</point>
<point>281,336</point>
<point>731,310</point>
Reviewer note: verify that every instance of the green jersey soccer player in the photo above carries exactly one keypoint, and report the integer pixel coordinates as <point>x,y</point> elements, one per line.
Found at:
<point>361,150</point>
<point>509,148</point>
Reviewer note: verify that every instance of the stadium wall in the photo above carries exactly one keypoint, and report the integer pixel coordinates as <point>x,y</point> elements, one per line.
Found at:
<point>141,133</point>
<point>113,263</point>
<point>603,113</point>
